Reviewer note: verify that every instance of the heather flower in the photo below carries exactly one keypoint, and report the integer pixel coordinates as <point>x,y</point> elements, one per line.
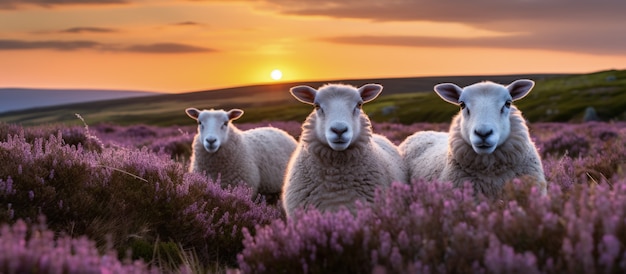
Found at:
<point>435,228</point>
<point>35,249</point>
<point>134,195</point>
<point>501,258</point>
<point>130,182</point>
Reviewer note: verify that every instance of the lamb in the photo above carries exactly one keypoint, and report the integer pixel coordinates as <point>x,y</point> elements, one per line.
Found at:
<point>256,157</point>
<point>488,143</point>
<point>339,160</point>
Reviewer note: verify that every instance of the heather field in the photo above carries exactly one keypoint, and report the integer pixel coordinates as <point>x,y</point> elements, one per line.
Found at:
<point>118,199</point>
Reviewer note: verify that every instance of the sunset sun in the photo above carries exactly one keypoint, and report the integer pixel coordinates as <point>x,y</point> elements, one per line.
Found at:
<point>276,74</point>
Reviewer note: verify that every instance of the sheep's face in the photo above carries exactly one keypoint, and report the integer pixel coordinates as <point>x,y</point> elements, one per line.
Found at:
<point>485,109</point>
<point>338,111</point>
<point>213,126</point>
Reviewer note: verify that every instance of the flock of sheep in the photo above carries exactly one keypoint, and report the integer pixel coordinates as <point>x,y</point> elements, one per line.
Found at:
<point>339,160</point>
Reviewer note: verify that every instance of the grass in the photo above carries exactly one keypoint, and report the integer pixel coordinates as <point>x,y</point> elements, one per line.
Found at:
<point>412,97</point>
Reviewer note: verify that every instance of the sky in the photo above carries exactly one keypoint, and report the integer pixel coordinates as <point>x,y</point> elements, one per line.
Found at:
<point>189,45</point>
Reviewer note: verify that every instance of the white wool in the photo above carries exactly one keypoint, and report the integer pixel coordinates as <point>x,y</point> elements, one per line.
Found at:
<point>425,154</point>
<point>462,155</point>
<point>256,157</point>
<point>327,179</point>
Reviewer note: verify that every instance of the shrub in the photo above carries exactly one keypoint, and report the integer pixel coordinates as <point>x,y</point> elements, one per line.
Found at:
<point>582,153</point>
<point>126,195</point>
<point>568,143</point>
<point>35,249</point>
<point>118,189</point>
<point>72,135</point>
<point>433,228</point>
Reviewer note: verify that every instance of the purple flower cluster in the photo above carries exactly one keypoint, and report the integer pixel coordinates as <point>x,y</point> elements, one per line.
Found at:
<point>127,196</point>
<point>35,249</point>
<point>582,153</point>
<point>213,219</point>
<point>429,227</point>
<point>128,187</point>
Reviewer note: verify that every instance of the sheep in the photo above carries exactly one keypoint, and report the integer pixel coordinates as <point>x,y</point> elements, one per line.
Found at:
<point>339,160</point>
<point>256,157</point>
<point>488,143</point>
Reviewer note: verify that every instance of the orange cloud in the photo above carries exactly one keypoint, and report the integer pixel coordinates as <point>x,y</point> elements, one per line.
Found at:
<point>88,29</point>
<point>591,27</point>
<point>156,48</point>
<point>166,48</point>
<point>15,4</point>
<point>601,42</point>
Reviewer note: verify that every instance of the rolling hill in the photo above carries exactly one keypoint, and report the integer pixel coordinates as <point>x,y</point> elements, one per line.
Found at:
<point>405,100</point>
<point>15,99</point>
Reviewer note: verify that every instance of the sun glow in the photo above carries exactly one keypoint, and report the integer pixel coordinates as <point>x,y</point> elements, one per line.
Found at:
<point>276,74</point>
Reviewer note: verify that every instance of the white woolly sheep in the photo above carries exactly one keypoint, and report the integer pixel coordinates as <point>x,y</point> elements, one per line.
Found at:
<point>256,157</point>
<point>338,159</point>
<point>488,143</point>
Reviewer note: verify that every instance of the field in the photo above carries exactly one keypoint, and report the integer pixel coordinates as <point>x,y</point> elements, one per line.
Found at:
<point>108,191</point>
<point>118,198</point>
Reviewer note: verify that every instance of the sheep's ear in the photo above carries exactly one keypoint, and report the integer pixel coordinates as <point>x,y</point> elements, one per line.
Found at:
<point>520,88</point>
<point>193,113</point>
<point>304,94</point>
<point>449,92</point>
<point>234,114</point>
<point>369,92</point>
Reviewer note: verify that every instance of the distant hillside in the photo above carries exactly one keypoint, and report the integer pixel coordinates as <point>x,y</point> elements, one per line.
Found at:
<point>12,99</point>
<point>553,99</point>
<point>405,100</point>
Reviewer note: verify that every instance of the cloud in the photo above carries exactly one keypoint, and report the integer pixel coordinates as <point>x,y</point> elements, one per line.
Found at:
<point>157,48</point>
<point>572,25</point>
<point>14,4</point>
<point>167,48</point>
<point>55,45</point>
<point>187,23</point>
<point>569,42</point>
<point>88,29</point>
<point>469,12</point>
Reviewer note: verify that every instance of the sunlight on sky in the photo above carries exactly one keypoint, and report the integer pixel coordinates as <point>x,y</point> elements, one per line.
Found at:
<point>174,46</point>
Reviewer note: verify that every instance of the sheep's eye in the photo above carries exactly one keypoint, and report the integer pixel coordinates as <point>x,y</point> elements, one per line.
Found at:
<point>358,108</point>
<point>199,123</point>
<point>225,124</point>
<point>319,108</point>
<point>507,104</point>
<point>462,105</point>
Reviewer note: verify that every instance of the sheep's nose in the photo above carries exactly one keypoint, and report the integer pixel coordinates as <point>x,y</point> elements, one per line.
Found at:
<point>339,130</point>
<point>483,134</point>
<point>211,141</point>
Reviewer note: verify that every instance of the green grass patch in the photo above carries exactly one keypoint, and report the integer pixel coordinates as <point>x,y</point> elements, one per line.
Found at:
<point>555,98</point>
